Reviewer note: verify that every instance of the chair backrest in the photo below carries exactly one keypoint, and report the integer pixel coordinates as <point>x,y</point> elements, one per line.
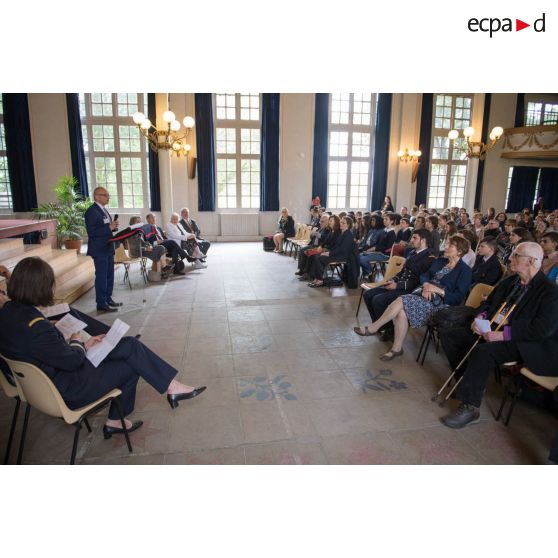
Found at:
<point>38,389</point>
<point>120,255</point>
<point>478,293</point>
<point>9,389</point>
<point>393,267</point>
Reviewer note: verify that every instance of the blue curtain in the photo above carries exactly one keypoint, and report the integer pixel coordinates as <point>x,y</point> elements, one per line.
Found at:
<point>206,152</point>
<point>76,143</point>
<point>548,187</point>
<point>153,161</point>
<point>484,137</point>
<point>520,111</point>
<point>425,140</point>
<point>19,151</point>
<point>319,168</point>
<point>381,151</point>
<point>522,188</point>
<point>269,159</point>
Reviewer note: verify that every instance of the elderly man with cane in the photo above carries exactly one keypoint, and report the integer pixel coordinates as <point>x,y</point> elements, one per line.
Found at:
<point>523,309</point>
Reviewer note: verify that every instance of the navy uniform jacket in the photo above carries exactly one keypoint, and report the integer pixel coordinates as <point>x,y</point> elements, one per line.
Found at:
<point>28,336</point>
<point>488,272</point>
<point>99,232</point>
<point>342,247</point>
<point>456,283</point>
<point>415,265</point>
<point>192,228</point>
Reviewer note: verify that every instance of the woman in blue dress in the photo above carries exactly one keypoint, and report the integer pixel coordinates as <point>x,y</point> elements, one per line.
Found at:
<point>446,283</point>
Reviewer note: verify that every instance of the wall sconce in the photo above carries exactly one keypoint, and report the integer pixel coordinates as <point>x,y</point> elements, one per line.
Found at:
<point>409,155</point>
<point>476,149</point>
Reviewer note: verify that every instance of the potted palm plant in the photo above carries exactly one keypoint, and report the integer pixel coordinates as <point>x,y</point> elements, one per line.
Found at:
<point>69,210</point>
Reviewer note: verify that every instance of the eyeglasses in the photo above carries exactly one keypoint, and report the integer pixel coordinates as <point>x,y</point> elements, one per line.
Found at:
<point>514,255</point>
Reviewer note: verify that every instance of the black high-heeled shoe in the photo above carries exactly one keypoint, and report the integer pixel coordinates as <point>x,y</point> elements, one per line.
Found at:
<point>174,398</point>
<point>108,431</point>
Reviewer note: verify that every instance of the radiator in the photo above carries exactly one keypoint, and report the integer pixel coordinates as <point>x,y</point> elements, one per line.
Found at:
<point>240,224</point>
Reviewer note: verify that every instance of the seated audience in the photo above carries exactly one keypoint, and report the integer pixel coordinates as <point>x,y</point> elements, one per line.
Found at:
<point>539,229</point>
<point>463,220</point>
<point>432,226</point>
<point>501,218</point>
<point>186,241</point>
<point>155,235</point>
<point>549,244</point>
<point>470,257</point>
<point>286,230</point>
<point>388,205</point>
<point>318,238</point>
<point>138,247</point>
<point>491,230</point>
<point>446,283</point>
<point>487,268</point>
<point>339,252</point>
<point>190,226</point>
<point>314,217</point>
<point>331,237</point>
<point>378,299</point>
<point>404,233</point>
<point>29,337</point>
<point>377,253</point>
<point>517,235</point>
<point>529,336</point>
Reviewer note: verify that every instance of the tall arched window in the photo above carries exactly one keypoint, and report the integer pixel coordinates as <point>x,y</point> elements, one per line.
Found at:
<point>5,190</point>
<point>115,151</point>
<point>448,164</point>
<point>237,150</point>
<point>351,140</point>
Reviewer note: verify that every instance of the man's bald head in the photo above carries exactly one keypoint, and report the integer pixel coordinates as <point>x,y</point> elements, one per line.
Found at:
<point>532,250</point>
<point>101,195</point>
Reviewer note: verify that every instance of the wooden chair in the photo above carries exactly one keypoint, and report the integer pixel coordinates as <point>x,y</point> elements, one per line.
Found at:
<point>11,391</point>
<point>121,257</point>
<point>514,389</point>
<point>303,241</point>
<point>38,390</point>
<point>290,240</point>
<point>394,265</point>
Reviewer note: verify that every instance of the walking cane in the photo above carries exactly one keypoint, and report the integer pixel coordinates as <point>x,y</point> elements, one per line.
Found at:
<point>502,322</point>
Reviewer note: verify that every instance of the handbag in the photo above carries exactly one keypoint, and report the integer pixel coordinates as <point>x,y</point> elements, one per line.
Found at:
<point>435,299</point>
<point>313,252</point>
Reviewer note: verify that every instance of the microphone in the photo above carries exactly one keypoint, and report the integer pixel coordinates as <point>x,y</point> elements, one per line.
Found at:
<point>116,217</point>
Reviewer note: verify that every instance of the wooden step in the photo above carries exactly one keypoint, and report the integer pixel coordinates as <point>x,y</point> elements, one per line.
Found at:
<point>75,287</point>
<point>39,250</point>
<point>60,260</point>
<point>10,247</point>
<point>73,268</point>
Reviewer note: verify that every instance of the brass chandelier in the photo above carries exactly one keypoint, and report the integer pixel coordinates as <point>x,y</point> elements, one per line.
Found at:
<point>476,149</point>
<point>172,138</point>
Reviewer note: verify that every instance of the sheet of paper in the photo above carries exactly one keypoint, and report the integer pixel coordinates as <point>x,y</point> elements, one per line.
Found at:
<point>483,325</point>
<point>55,310</point>
<point>98,352</point>
<point>69,325</point>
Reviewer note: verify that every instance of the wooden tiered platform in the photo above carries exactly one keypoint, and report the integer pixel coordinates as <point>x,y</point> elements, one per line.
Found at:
<point>75,274</point>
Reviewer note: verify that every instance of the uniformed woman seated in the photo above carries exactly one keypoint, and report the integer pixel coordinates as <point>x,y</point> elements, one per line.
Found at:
<point>29,337</point>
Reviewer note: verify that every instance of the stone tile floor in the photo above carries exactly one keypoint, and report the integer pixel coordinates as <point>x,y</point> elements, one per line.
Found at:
<point>288,381</point>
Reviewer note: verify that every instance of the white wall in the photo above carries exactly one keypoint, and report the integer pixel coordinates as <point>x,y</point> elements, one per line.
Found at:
<point>51,143</point>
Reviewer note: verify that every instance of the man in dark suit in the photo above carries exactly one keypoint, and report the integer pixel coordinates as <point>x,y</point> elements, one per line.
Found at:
<point>190,226</point>
<point>417,263</point>
<point>154,235</point>
<point>530,334</point>
<point>99,226</point>
<point>487,268</point>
